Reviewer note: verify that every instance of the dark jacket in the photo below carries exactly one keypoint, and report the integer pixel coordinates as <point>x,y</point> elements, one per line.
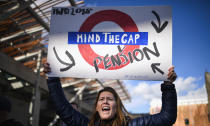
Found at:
<point>71,117</point>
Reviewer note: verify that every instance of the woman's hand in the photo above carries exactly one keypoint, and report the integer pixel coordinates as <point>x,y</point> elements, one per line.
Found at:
<point>171,75</point>
<point>47,68</point>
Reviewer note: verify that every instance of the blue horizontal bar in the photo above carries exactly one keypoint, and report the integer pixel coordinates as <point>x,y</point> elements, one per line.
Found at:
<point>108,38</point>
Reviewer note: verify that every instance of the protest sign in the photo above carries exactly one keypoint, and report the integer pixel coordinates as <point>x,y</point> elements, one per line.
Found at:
<point>111,42</point>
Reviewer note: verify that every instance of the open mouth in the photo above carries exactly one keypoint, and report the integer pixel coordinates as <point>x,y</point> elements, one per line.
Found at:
<point>106,109</point>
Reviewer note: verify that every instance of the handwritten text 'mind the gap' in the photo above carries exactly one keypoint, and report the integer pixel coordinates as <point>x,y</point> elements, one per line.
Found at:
<point>110,38</point>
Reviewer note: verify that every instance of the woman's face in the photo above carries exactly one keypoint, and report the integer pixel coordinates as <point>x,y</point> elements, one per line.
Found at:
<point>106,105</point>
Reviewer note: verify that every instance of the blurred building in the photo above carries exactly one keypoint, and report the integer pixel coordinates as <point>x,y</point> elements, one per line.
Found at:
<point>207,78</point>
<point>190,112</point>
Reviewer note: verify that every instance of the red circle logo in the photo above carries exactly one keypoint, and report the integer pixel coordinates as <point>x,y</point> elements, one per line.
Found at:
<point>118,17</point>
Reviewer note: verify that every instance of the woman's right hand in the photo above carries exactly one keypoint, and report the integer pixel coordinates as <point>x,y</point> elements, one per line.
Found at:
<point>47,68</point>
<point>172,74</point>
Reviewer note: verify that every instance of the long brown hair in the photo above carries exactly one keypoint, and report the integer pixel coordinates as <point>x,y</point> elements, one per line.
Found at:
<point>121,113</point>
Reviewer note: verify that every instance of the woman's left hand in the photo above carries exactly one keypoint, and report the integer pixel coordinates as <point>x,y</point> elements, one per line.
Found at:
<point>172,74</point>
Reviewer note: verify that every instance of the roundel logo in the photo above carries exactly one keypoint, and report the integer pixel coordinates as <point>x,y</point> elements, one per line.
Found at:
<point>118,17</point>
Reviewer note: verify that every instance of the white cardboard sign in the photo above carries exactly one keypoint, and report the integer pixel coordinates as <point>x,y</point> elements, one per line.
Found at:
<point>111,42</point>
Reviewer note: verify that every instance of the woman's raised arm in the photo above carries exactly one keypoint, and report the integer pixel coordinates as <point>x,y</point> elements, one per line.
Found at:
<point>63,108</point>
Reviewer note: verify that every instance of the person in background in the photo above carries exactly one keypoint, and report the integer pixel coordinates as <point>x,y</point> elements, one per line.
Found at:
<point>109,110</point>
<point>75,106</point>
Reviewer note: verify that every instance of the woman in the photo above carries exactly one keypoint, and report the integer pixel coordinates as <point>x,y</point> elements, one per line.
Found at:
<point>109,110</point>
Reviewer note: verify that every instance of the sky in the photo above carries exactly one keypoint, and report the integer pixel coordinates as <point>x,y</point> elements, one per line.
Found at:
<point>191,44</point>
